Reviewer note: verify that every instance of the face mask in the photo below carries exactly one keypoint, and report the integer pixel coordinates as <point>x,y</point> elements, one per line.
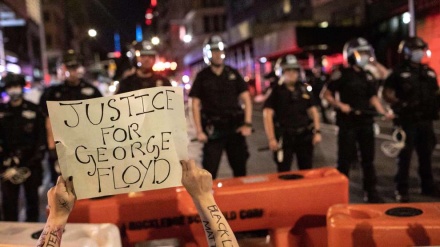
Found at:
<point>417,56</point>
<point>14,93</point>
<point>363,60</point>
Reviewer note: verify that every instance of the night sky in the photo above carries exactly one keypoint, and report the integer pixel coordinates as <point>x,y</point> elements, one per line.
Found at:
<point>110,16</point>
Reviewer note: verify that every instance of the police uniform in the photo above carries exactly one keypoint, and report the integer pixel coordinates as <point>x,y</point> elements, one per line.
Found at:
<point>22,141</point>
<point>355,88</point>
<point>134,82</point>
<point>293,124</point>
<point>221,116</point>
<point>318,84</point>
<point>416,88</point>
<point>63,92</point>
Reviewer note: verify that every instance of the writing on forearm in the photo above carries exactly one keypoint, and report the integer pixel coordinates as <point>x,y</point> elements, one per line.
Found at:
<point>221,224</point>
<point>50,237</point>
<point>209,233</point>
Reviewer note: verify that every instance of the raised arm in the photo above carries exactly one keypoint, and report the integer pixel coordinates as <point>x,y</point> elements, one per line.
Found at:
<point>198,183</point>
<point>61,199</point>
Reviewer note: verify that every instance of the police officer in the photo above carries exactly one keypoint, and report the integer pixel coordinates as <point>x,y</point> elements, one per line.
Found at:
<point>22,146</point>
<point>144,57</point>
<point>296,116</point>
<point>413,92</point>
<point>74,87</point>
<point>356,106</point>
<point>219,119</point>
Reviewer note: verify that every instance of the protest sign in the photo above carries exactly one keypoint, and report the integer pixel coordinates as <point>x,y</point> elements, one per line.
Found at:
<point>123,143</point>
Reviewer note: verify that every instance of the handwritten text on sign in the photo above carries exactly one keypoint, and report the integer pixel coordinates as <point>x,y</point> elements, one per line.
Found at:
<point>124,143</point>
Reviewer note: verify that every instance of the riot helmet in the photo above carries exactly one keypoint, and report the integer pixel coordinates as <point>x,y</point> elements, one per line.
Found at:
<point>413,49</point>
<point>213,43</point>
<point>358,52</point>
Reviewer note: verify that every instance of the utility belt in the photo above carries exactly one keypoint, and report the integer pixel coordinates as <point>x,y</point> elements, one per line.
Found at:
<point>298,130</point>
<point>218,125</point>
<point>223,121</point>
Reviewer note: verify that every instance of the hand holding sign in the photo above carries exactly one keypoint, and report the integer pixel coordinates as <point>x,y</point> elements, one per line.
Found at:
<point>120,144</point>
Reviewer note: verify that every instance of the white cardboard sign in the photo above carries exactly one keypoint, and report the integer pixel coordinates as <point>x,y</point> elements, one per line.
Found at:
<point>124,143</point>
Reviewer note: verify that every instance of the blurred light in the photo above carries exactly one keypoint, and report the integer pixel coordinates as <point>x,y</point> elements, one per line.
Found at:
<point>406,18</point>
<point>287,6</point>
<point>149,16</point>
<point>92,33</point>
<point>263,59</point>
<point>115,54</point>
<point>309,88</point>
<point>323,24</point>
<point>167,65</point>
<point>187,38</point>
<point>13,68</point>
<point>185,79</point>
<point>246,78</point>
<point>174,83</point>
<point>188,86</point>
<point>223,56</point>
<point>221,46</point>
<point>220,185</point>
<point>128,54</point>
<point>11,59</point>
<point>139,35</point>
<point>148,22</point>
<point>155,40</point>
<point>173,66</point>
<point>139,64</point>
<point>159,66</point>
<point>429,53</point>
<point>153,3</point>
<point>112,88</point>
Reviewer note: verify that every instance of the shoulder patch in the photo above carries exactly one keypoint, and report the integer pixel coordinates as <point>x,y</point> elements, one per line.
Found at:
<point>405,74</point>
<point>336,75</point>
<point>88,91</point>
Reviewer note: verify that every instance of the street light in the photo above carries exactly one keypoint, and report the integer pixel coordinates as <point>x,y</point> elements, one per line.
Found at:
<point>187,38</point>
<point>92,33</point>
<point>406,18</point>
<point>155,40</point>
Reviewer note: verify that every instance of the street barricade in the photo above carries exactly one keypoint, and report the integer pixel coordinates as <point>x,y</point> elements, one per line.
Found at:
<point>409,224</point>
<point>291,205</point>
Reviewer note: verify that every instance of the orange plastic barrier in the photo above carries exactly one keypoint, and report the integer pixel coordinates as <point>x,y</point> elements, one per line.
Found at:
<point>409,224</point>
<point>154,215</point>
<point>97,210</point>
<point>291,205</point>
